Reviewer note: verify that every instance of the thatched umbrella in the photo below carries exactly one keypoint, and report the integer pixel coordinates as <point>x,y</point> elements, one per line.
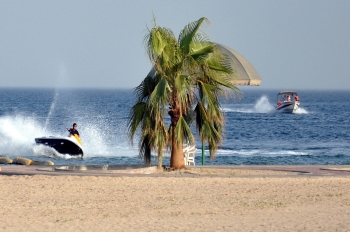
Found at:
<point>245,73</point>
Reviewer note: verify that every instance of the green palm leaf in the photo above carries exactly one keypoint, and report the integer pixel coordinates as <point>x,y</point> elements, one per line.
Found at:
<point>183,131</point>
<point>201,51</point>
<point>136,117</point>
<point>159,96</point>
<point>190,33</point>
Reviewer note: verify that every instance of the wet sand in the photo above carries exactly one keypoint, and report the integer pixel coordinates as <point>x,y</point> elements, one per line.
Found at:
<point>195,200</point>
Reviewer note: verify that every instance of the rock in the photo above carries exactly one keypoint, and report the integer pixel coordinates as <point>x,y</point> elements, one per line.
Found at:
<point>5,160</point>
<point>47,162</point>
<point>22,161</point>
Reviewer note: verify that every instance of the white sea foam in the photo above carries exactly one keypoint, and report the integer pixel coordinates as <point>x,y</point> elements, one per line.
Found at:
<point>263,105</point>
<point>18,133</point>
<point>238,110</point>
<point>301,111</point>
<point>258,152</point>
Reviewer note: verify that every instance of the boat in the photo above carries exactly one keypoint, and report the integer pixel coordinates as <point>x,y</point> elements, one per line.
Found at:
<point>64,145</point>
<point>287,102</point>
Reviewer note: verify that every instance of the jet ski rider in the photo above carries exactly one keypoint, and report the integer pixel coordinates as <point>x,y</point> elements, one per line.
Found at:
<point>73,131</point>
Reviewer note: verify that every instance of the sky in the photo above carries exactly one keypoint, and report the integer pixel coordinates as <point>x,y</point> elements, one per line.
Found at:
<point>293,44</point>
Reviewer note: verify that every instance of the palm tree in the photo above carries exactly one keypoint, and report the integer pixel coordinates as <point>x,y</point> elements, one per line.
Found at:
<point>154,134</point>
<point>190,77</point>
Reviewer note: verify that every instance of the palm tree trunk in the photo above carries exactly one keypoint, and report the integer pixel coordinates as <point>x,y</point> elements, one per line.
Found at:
<point>177,155</point>
<point>160,161</point>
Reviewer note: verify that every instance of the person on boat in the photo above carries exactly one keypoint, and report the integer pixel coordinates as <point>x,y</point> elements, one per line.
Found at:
<point>288,99</point>
<point>279,102</point>
<point>73,131</point>
<point>296,97</point>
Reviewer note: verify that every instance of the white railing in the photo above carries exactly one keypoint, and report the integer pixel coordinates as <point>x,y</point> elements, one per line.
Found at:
<point>189,153</point>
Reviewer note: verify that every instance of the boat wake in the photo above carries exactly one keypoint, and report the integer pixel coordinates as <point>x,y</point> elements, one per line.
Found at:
<point>259,153</point>
<point>263,106</point>
<point>301,111</point>
<point>41,150</point>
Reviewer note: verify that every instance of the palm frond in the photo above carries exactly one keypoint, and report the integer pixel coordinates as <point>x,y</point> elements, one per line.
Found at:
<point>183,131</point>
<point>201,117</point>
<point>136,117</point>
<point>161,136</point>
<point>190,33</point>
<point>161,46</point>
<point>145,89</point>
<point>184,86</point>
<point>159,97</point>
<point>201,51</point>
<point>213,136</point>
<point>218,63</point>
<point>207,93</point>
<point>145,149</point>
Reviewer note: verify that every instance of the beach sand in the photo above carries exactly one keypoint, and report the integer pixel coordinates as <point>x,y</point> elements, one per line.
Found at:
<point>218,200</point>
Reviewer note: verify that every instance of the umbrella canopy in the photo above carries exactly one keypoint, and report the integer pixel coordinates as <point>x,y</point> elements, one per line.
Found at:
<point>287,92</point>
<point>245,73</point>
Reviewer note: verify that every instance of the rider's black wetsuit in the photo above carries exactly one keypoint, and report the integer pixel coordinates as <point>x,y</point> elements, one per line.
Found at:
<point>73,132</point>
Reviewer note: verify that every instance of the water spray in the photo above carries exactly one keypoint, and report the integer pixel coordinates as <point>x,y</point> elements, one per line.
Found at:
<point>52,108</point>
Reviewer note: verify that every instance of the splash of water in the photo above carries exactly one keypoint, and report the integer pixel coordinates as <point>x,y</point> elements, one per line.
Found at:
<point>17,135</point>
<point>52,108</point>
<point>100,140</point>
<point>301,111</point>
<point>263,105</point>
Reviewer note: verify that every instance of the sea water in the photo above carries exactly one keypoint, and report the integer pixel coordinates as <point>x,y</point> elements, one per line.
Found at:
<point>255,134</point>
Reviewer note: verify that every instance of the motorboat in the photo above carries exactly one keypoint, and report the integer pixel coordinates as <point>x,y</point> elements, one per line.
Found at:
<point>287,101</point>
<point>64,145</point>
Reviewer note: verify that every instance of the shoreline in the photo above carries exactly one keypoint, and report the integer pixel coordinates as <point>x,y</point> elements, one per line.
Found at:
<point>190,171</point>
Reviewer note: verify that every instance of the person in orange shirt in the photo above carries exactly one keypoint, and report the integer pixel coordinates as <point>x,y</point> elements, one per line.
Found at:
<point>296,97</point>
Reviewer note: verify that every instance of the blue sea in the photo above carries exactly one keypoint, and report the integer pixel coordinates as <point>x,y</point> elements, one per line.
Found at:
<point>319,133</point>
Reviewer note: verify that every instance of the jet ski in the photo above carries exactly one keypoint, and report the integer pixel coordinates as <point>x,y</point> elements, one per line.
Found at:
<point>70,145</point>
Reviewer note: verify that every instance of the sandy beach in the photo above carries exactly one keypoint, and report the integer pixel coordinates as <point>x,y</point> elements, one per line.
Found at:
<point>244,200</point>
